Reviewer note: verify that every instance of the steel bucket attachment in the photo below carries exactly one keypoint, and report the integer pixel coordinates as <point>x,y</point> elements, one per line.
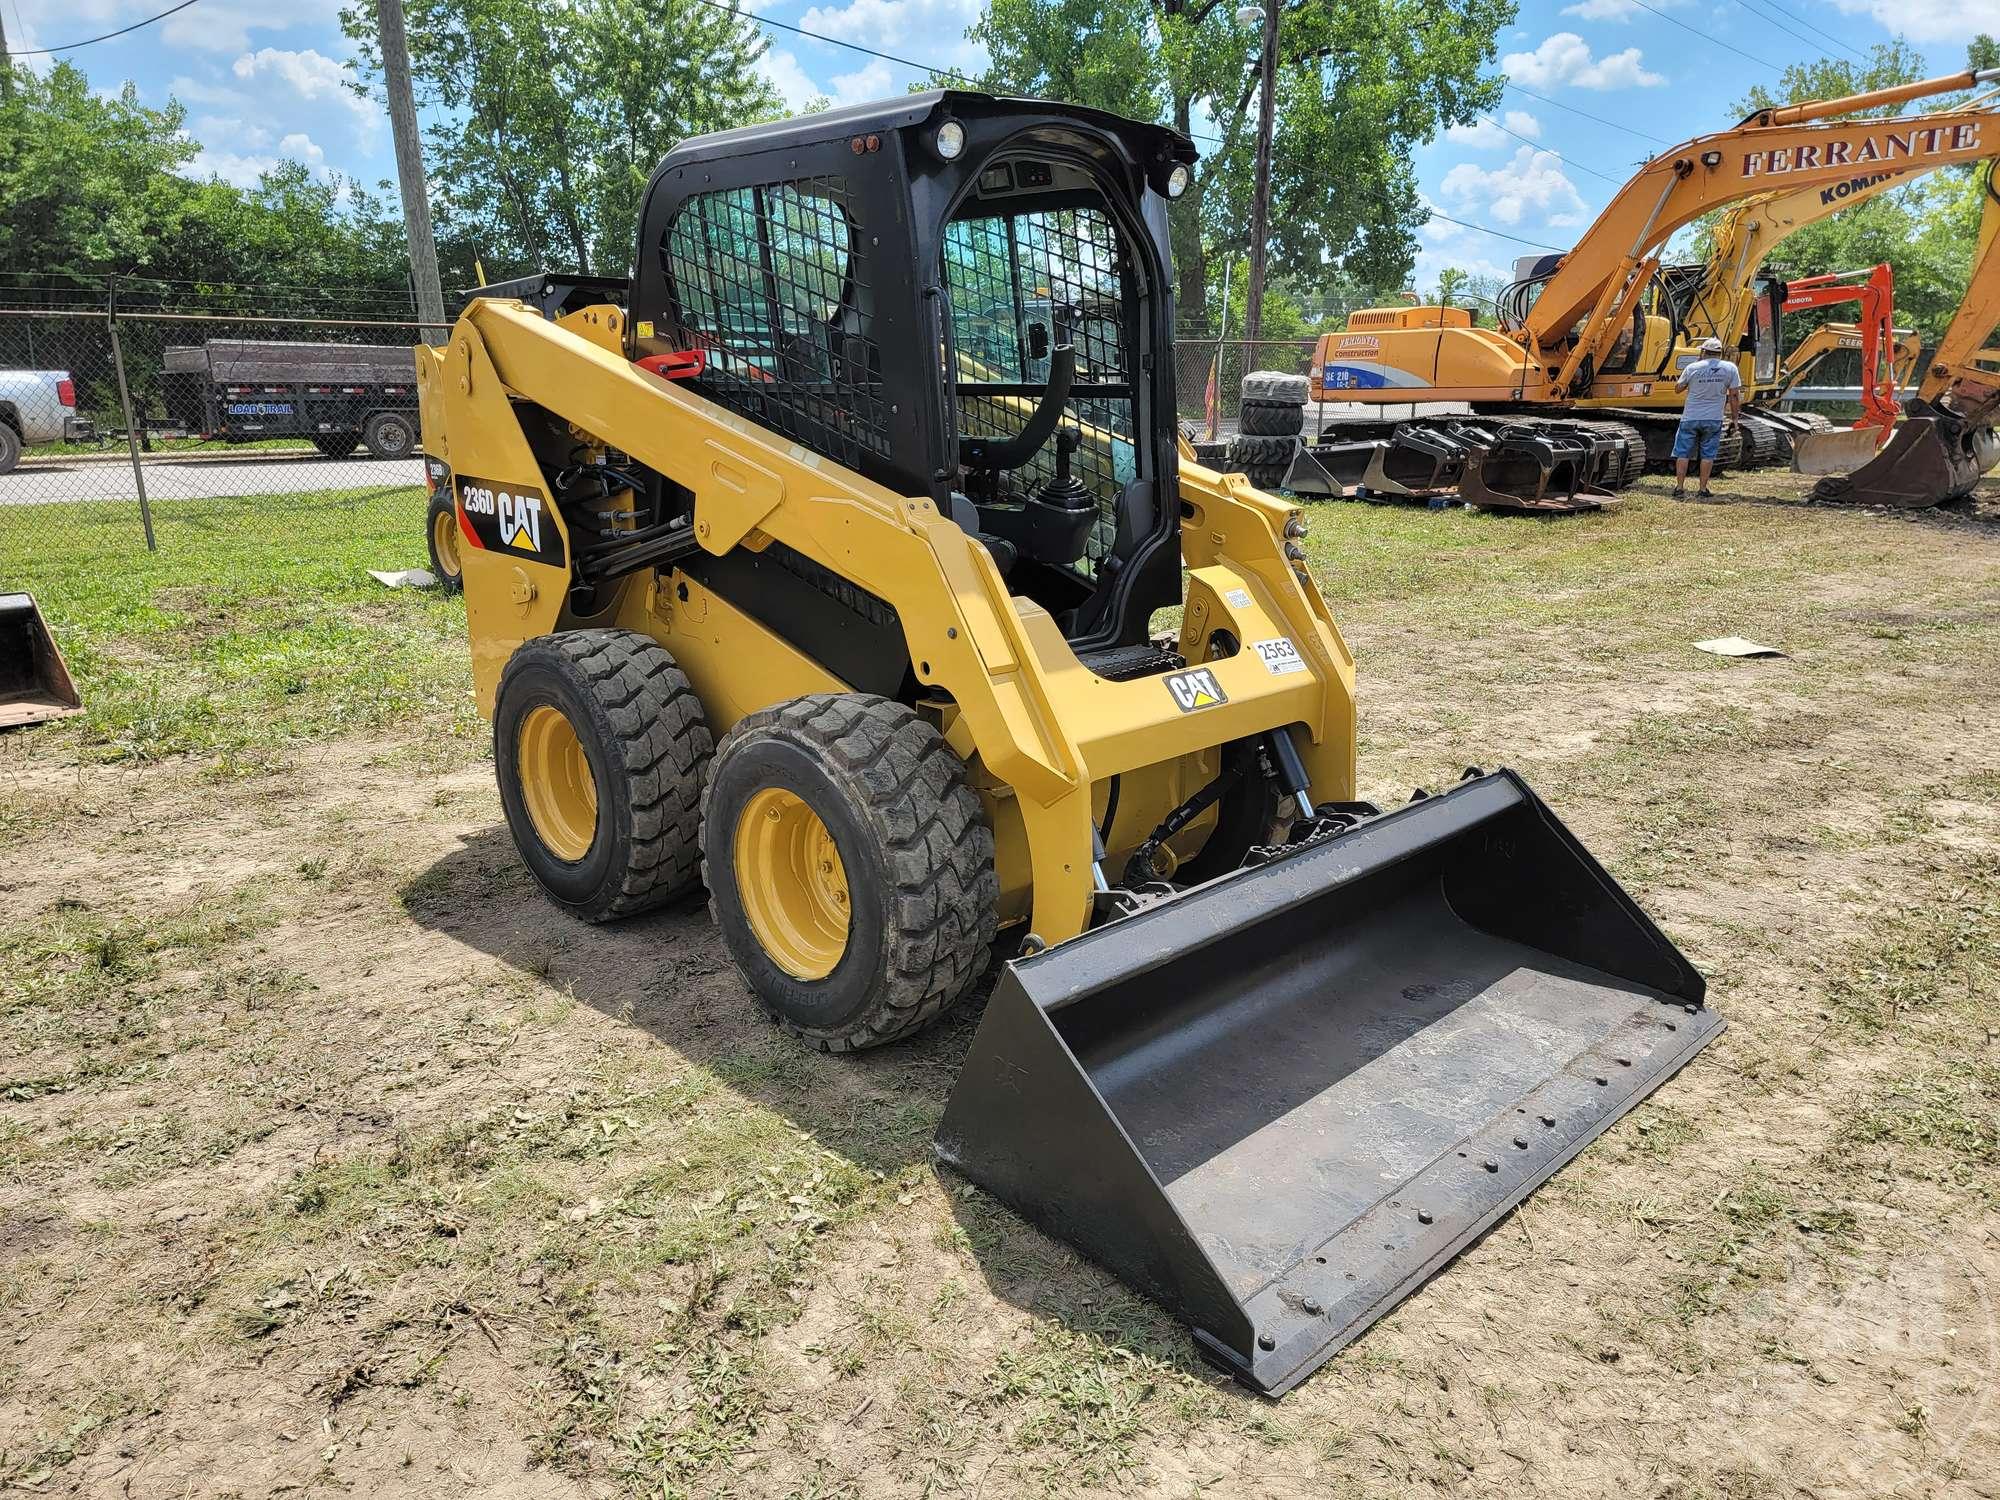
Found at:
<point>1277,1103</point>
<point>1935,455</point>
<point>34,680</point>
<point>1834,450</point>
<point>1539,467</point>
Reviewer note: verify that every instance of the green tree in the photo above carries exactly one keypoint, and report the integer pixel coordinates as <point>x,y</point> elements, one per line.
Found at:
<point>1359,84</point>
<point>1451,281</point>
<point>553,113</point>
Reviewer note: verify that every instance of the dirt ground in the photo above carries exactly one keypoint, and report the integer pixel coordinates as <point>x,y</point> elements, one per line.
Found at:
<point>337,1161</point>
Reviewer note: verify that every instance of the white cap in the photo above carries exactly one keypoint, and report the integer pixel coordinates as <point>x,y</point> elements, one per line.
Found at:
<point>1711,346</point>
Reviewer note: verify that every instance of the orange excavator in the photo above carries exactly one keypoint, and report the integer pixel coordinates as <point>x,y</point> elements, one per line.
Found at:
<point>1946,440</point>
<point>1875,289</point>
<point>1583,332</point>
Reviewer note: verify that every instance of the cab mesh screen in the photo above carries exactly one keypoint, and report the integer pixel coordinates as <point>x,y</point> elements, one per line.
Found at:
<point>1021,282</point>
<point>772,283</point>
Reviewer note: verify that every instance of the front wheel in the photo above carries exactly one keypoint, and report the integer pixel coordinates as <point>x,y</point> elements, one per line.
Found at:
<point>390,434</point>
<point>10,443</point>
<point>849,867</point>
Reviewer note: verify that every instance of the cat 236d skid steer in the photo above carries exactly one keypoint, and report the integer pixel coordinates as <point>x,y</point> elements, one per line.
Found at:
<point>820,568</point>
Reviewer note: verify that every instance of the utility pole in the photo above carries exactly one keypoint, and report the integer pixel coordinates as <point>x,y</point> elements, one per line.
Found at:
<point>1260,202</point>
<point>410,166</point>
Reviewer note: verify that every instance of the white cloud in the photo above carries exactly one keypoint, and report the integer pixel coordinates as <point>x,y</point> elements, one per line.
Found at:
<point>1566,58</point>
<point>870,81</point>
<point>1603,10</point>
<point>1532,179</point>
<point>1928,20</point>
<point>309,76</point>
<point>301,147</point>
<point>213,26</point>
<point>931,31</point>
<point>243,168</point>
<point>231,129</point>
<point>1485,134</point>
<point>782,71</point>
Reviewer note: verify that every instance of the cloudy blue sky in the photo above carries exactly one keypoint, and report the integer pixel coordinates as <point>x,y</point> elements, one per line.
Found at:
<point>264,79</point>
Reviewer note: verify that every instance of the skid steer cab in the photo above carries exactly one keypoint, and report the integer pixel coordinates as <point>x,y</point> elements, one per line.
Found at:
<point>848,564</point>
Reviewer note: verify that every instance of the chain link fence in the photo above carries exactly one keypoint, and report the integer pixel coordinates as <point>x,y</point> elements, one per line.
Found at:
<point>1202,365</point>
<point>135,417</point>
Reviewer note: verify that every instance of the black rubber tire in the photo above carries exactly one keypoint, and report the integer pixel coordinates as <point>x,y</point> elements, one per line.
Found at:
<point>1269,477</point>
<point>924,898</point>
<point>1276,386</point>
<point>1251,449</point>
<point>646,738</point>
<point>10,443</point>
<point>390,434</point>
<point>1270,419</point>
<point>336,444</point>
<point>447,571</point>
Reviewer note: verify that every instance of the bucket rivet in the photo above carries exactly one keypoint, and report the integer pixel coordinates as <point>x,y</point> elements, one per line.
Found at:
<point>1550,1121</point>
<point>1423,1216</point>
<point>1311,1305</point>
<point>1266,1342</point>
<point>1521,1141</point>
<point>1492,1165</point>
<point>1691,1009</point>
<point>1602,1082</point>
<point>1624,1062</point>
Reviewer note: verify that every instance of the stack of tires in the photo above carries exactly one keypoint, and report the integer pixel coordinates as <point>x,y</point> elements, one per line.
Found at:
<point>1272,417</point>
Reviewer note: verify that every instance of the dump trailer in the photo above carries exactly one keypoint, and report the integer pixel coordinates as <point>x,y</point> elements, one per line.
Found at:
<point>335,396</point>
<point>819,570</point>
<point>35,684</point>
<point>1586,340</point>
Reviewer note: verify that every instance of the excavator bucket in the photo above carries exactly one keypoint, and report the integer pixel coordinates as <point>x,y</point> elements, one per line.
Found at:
<point>1938,453</point>
<point>1278,1102</point>
<point>1544,466</point>
<point>34,680</point>
<point>1834,450</point>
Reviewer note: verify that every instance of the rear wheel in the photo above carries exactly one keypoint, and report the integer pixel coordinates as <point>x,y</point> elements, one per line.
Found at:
<point>336,444</point>
<point>442,525</point>
<point>601,749</point>
<point>849,867</point>
<point>10,447</point>
<point>390,434</point>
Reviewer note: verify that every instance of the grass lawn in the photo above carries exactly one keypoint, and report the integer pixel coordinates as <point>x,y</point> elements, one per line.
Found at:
<point>236,637</point>
<point>333,1158</point>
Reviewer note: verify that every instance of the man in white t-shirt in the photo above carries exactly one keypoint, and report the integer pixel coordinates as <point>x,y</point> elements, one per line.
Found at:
<point>1714,391</point>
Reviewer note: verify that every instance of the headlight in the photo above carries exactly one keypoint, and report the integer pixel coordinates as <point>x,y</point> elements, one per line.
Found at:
<point>1178,180</point>
<point>950,140</point>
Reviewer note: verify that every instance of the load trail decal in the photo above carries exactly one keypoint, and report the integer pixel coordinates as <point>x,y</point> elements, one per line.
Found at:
<point>510,519</point>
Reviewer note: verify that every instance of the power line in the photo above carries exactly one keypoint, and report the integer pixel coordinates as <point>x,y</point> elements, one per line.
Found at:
<point>1713,41</point>
<point>1497,234</point>
<point>1763,15</point>
<point>1809,26</point>
<point>92,41</point>
<point>1599,119</point>
<point>1550,150</point>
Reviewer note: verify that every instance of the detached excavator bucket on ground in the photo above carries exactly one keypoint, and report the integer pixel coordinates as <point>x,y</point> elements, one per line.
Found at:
<point>34,680</point>
<point>1280,1101</point>
<point>1834,450</point>
<point>1937,454</point>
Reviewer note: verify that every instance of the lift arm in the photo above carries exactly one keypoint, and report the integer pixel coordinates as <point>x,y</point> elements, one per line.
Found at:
<point>1593,286</point>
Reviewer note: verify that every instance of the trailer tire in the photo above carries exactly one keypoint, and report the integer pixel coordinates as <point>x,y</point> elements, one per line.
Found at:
<point>442,533</point>
<point>1271,419</point>
<point>336,444</point>
<point>1276,387</point>
<point>390,434</point>
<point>849,867</point>
<point>10,446</point>
<point>601,750</point>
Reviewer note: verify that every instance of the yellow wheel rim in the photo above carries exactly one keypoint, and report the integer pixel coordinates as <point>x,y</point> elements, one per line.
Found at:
<point>792,884</point>
<point>444,541</point>
<point>556,783</point>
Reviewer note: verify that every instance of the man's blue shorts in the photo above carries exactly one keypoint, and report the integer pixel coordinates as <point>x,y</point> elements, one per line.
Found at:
<point>1707,436</point>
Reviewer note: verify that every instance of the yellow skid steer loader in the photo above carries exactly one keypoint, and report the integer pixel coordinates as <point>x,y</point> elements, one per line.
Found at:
<point>820,567</point>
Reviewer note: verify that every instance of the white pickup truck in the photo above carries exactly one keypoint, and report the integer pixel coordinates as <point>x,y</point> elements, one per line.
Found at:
<point>37,406</point>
